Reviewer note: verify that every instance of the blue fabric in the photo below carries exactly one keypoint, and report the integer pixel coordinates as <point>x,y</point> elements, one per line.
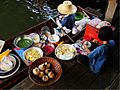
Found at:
<point>98,56</point>
<point>20,52</point>
<point>68,21</point>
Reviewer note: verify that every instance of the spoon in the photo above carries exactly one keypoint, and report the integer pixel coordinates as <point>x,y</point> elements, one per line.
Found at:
<point>5,53</point>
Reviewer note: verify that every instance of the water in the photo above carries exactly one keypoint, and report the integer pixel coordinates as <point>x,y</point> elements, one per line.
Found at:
<point>40,7</point>
<point>16,16</point>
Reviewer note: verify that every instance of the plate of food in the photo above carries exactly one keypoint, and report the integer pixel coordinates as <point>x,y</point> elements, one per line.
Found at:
<point>48,49</point>
<point>79,16</point>
<point>87,43</point>
<point>35,37</point>
<point>45,71</point>
<point>32,54</point>
<point>65,52</point>
<point>9,65</point>
<point>23,41</point>
<point>53,38</point>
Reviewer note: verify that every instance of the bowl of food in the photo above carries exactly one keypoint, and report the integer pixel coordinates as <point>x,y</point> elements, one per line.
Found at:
<point>35,37</point>
<point>45,71</point>
<point>23,41</point>
<point>7,63</point>
<point>65,52</point>
<point>87,43</point>
<point>48,49</point>
<point>53,38</point>
<point>79,16</point>
<point>32,54</point>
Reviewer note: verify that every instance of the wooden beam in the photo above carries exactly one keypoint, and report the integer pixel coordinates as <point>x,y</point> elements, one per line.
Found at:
<point>112,4</point>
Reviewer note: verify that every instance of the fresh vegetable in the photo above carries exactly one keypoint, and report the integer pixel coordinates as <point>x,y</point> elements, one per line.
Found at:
<point>24,43</point>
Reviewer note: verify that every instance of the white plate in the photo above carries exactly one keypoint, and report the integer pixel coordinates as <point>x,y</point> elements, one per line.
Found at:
<point>65,52</point>
<point>14,71</point>
<point>11,60</point>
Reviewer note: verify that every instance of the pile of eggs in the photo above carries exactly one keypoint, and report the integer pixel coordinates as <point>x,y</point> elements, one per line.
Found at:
<point>44,71</point>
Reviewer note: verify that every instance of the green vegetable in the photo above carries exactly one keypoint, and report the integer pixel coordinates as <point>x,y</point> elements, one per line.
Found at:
<point>24,43</point>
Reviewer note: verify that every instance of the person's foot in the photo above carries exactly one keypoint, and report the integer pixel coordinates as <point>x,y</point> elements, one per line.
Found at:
<point>66,30</point>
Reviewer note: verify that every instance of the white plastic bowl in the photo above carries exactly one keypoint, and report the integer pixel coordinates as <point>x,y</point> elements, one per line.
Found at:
<point>53,38</point>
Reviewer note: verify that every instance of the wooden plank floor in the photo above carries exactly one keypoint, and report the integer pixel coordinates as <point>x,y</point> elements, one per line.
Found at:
<point>79,76</point>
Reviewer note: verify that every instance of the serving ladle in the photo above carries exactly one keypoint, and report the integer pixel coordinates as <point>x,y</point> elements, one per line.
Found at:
<point>5,53</point>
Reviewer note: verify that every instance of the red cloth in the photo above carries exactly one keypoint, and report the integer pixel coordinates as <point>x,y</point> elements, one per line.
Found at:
<point>91,33</point>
